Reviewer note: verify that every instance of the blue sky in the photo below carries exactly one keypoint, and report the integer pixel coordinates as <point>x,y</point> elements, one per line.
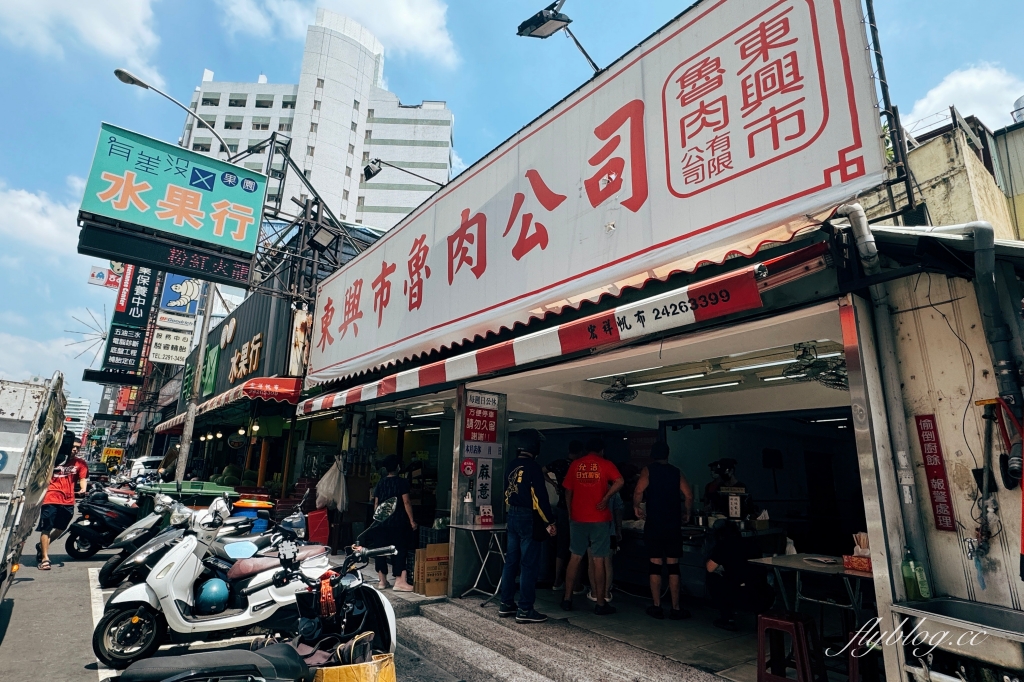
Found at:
<point>57,58</point>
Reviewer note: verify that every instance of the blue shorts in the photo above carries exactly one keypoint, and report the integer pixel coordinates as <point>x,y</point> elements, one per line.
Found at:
<point>592,536</point>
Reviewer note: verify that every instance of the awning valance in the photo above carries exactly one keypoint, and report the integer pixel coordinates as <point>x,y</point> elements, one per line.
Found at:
<point>281,390</point>
<point>726,294</point>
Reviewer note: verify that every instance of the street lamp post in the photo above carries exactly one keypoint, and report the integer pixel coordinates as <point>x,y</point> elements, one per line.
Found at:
<point>130,79</point>
<point>197,376</point>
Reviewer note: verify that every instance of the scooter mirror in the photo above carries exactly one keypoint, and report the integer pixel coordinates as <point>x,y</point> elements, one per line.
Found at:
<point>385,509</point>
<point>241,550</point>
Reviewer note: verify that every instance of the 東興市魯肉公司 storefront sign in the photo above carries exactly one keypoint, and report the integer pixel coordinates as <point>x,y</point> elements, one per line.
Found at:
<point>184,195</point>
<point>738,123</point>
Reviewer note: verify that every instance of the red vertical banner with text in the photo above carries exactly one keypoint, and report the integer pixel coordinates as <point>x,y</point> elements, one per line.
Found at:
<point>935,471</point>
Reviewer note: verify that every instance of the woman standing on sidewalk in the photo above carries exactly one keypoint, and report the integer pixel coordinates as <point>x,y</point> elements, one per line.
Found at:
<point>396,530</point>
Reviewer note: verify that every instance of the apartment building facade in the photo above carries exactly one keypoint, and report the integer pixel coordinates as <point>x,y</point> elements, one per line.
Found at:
<point>338,116</point>
<point>77,411</point>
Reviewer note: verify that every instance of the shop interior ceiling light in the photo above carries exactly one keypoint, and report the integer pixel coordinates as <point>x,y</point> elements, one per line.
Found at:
<point>686,377</point>
<point>762,365</point>
<point>702,388</point>
<point>781,378</point>
<point>622,374</point>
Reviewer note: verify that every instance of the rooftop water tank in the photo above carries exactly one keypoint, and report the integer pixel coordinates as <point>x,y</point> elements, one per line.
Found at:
<point>1018,110</point>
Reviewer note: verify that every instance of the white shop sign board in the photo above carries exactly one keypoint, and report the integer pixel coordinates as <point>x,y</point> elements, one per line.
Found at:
<point>739,123</point>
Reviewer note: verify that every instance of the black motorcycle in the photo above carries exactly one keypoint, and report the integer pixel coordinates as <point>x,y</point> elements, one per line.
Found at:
<point>100,522</point>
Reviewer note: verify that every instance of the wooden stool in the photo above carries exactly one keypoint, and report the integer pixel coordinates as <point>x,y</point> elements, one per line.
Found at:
<point>807,659</point>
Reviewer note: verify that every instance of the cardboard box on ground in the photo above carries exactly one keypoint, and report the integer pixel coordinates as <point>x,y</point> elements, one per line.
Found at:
<point>430,576</point>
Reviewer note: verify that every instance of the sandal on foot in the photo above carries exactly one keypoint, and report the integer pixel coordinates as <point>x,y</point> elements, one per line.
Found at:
<point>44,565</point>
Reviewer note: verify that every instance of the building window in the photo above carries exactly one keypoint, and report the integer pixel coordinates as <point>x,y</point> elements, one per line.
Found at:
<point>351,149</point>
<point>312,127</point>
<point>208,122</point>
<point>232,146</point>
<point>344,195</point>
<point>308,173</point>
<point>310,150</point>
<point>348,171</point>
<point>344,217</point>
<point>288,102</point>
<point>355,104</point>
<point>264,101</point>
<point>355,126</point>
<point>369,133</point>
<point>359,221</point>
<point>366,158</point>
<point>233,123</point>
<point>201,146</point>
<point>319,82</point>
<point>284,126</point>
<point>211,99</point>
<point>369,114</point>
<point>260,125</point>
<point>316,104</point>
<point>359,201</point>
<point>237,100</point>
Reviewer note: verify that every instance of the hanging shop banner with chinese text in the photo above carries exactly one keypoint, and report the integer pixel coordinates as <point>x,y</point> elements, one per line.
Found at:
<point>739,123</point>
<point>134,296</point>
<point>147,183</point>
<point>124,348</point>
<point>939,491</point>
<point>170,347</point>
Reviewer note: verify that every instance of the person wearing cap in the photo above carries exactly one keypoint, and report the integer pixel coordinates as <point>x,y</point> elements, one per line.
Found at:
<point>665,489</point>
<point>528,507</point>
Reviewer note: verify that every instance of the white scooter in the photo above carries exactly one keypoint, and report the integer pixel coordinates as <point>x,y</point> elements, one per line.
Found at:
<point>166,608</point>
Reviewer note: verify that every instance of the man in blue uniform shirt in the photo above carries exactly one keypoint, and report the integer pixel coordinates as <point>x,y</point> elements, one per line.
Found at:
<point>525,495</point>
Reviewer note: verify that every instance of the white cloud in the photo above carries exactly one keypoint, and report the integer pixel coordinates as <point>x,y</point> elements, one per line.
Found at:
<point>405,27</point>
<point>119,29</point>
<point>24,358</point>
<point>983,90</point>
<point>458,165</point>
<point>36,220</point>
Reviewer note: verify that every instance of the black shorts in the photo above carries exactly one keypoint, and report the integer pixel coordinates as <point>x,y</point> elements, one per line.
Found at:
<point>55,517</point>
<point>663,543</point>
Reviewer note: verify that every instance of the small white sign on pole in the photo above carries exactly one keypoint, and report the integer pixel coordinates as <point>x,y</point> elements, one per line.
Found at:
<point>482,450</point>
<point>170,347</point>
<point>175,321</point>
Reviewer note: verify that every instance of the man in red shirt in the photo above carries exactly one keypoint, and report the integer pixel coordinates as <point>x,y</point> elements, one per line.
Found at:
<point>589,484</point>
<point>58,508</point>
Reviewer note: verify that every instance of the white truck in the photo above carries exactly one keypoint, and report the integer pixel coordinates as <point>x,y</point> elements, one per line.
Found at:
<point>31,429</point>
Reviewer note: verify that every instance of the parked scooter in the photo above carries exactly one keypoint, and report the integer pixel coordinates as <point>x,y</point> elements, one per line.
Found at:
<point>341,621</point>
<point>191,593</point>
<point>101,520</point>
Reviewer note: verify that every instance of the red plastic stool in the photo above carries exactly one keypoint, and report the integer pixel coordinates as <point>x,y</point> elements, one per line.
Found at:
<point>806,658</point>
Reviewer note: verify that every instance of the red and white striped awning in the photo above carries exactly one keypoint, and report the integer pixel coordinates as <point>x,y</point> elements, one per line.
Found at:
<point>281,390</point>
<point>730,293</point>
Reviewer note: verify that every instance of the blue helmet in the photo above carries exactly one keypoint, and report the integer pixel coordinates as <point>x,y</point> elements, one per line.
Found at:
<point>213,597</point>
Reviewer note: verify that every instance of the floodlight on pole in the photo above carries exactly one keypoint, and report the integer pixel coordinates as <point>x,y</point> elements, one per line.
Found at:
<point>375,166</point>
<point>129,78</point>
<point>550,21</point>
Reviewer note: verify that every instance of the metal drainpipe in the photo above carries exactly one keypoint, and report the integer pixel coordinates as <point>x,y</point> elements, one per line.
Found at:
<point>910,501</point>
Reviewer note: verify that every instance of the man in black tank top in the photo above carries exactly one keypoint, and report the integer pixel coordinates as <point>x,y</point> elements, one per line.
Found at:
<point>666,490</point>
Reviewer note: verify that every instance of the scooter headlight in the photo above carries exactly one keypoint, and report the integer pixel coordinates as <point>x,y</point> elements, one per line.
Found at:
<point>180,515</point>
<point>131,535</point>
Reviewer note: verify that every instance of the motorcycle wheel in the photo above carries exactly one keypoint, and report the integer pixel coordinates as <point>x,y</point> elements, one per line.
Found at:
<point>106,577</point>
<point>123,636</point>
<point>78,547</point>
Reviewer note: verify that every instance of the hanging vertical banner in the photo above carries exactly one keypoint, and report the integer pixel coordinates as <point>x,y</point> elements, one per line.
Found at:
<point>124,348</point>
<point>134,297</point>
<point>935,471</point>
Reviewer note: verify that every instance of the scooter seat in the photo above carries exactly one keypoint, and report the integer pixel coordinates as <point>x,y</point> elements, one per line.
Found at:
<point>243,568</point>
<point>261,542</point>
<point>274,663</point>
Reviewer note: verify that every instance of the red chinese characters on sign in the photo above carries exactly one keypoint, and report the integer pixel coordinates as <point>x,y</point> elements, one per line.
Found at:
<point>472,233</point>
<point>935,471</point>
<point>538,235</point>
<point>352,313</point>
<point>418,272</point>
<point>325,325</point>
<point>481,425</point>
<point>607,181</point>
<point>382,289</point>
<point>753,97</point>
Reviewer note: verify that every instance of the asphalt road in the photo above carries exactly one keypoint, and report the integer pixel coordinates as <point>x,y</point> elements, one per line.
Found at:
<point>47,619</point>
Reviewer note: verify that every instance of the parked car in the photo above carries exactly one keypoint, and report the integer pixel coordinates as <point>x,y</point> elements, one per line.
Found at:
<point>98,472</point>
<point>144,466</point>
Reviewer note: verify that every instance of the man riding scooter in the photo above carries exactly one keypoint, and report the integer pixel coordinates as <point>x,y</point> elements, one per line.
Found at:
<point>69,474</point>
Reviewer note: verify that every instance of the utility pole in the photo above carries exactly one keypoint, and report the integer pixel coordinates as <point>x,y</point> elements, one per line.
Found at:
<point>193,394</point>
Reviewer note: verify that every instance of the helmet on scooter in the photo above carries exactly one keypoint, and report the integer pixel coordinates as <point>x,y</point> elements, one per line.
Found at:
<point>213,597</point>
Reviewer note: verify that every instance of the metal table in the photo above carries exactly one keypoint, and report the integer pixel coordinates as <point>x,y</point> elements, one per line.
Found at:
<point>799,564</point>
<point>493,548</point>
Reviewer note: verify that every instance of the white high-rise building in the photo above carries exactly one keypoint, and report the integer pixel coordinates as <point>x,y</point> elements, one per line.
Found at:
<point>338,117</point>
<point>77,410</point>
